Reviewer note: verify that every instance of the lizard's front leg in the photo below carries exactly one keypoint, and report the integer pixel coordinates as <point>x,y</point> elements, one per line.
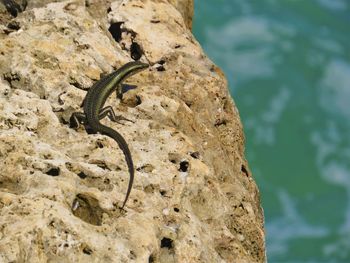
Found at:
<point>108,111</point>
<point>76,119</point>
<point>122,88</point>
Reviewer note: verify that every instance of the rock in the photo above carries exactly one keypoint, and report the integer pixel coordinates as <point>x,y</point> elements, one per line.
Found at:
<point>193,199</point>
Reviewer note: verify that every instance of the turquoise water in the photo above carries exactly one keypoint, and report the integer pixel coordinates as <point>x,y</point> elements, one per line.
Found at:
<point>288,66</point>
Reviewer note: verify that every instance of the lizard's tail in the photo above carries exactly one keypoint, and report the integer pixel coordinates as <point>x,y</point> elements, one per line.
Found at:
<point>125,148</point>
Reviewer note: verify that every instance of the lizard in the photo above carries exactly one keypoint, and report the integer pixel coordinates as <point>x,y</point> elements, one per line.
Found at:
<point>94,111</point>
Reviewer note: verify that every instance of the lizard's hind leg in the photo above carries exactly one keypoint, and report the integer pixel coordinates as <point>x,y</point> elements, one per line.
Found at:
<point>76,119</point>
<point>108,111</point>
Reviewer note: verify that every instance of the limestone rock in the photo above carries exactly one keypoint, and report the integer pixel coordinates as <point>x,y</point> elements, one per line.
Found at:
<point>193,199</point>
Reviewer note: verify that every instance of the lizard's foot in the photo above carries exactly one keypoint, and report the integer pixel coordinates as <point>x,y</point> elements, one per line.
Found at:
<point>76,119</point>
<point>108,111</point>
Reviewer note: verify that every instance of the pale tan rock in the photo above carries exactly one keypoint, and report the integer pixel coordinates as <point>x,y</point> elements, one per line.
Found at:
<point>193,199</point>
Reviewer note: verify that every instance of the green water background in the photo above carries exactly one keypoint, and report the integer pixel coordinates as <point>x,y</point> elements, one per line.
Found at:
<point>288,66</point>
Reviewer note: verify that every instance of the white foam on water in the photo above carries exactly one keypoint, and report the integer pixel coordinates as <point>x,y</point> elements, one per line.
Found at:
<point>335,88</point>
<point>328,45</point>
<point>291,225</point>
<point>336,5</point>
<point>264,124</point>
<point>226,44</point>
<point>337,173</point>
<point>277,106</point>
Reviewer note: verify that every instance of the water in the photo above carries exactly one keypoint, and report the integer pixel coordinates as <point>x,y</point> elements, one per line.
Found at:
<point>288,66</point>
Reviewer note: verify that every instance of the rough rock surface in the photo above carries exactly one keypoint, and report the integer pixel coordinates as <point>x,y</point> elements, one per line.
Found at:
<point>193,199</point>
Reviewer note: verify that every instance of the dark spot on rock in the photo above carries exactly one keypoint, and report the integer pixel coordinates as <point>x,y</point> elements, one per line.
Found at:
<point>132,255</point>
<point>161,62</point>
<point>99,144</point>
<point>106,181</point>
<point>166,242</point>
<point>147,168</point>
<point>155,21</point>
<point>184,166</point>
<point>151,259</point>
<point>244,170</point>
<point>14,25</point>
<point>109,10</point>
<point>82,175</point>
<point>70,7</point>
<point>138,100</point>
<point>87,250</point>
<point>135,51</point>
<point>54,171</point>
<point>9,77</point>
<point>177,46</point>
<point>116,31</point>
<point>162,192</point>
<point>100,163</point>
<point>176,209</point>
<point>188,104</point>
<point>160,68</point>
<point>195,155</point>
<point>174,157</point>
<point>220,122</point>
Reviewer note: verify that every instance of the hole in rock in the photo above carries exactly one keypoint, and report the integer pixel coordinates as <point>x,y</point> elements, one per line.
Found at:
<point>99,144</point>
<point>116,31</point>
<point>135,51</point>
<point>166,242</point>
<point>160,68</point>
<point>55,171</point>
<point>184,166</point>
<point>82,175</point>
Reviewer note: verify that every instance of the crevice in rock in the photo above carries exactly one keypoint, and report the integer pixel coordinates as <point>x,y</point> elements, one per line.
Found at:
<point>87,209</point>
<point>100,163</point>
<point>99,144</point>
<point>146,168</point>
<point>195,155</point>
<point>12,27</point>
<point>244,170</point>
<point>220,122</point>
<point>151,259</point>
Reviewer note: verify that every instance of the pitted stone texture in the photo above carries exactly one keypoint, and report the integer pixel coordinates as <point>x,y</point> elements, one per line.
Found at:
<point>193,198</point>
